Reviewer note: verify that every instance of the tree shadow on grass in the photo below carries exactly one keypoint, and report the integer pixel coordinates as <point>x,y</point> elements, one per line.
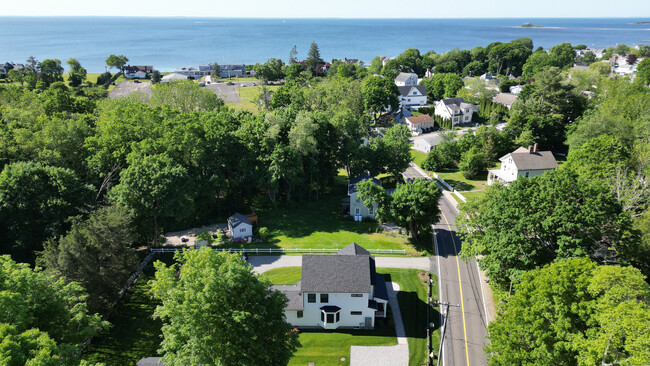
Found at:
<point>460,185</point>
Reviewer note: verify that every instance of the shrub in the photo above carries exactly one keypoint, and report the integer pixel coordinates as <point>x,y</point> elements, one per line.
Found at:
<point>437,160</point>
<point>264,233</point>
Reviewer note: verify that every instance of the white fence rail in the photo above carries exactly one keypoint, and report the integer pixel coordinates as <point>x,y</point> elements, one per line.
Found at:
<point>279,250</point>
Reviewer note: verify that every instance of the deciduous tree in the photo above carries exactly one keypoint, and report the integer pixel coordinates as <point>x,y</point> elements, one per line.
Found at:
<point>216,311</point>
<point>77,74</point>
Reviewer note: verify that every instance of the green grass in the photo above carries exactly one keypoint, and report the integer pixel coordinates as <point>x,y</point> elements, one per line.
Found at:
<point>320,224</point>
<point>418,157</point>
<point>91,76</point>
<point>326,348</point>
<point>134,334</point>
<point>473,194</point>
<point>455,179</point>
<point>248,96</point>
<point>283,276</point>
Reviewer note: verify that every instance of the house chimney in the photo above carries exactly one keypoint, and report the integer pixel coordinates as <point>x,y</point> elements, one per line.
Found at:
<point>530,148</point>
<point>535,147</point>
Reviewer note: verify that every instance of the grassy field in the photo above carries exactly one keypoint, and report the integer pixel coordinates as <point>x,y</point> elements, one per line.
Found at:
<point>318,346</point>
<point>248,97</point>
<point>321,224</point>
<point>473,194</point>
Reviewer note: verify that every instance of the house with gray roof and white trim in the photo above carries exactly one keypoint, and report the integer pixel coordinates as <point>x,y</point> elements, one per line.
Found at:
<point>239,227</point>
<point>337,291</point>
<point>523,162</point>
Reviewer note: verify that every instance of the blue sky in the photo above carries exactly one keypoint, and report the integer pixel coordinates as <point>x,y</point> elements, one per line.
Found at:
<point>334,8</point>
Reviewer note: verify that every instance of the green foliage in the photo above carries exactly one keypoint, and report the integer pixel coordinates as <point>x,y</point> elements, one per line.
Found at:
<point>375,66</point>
<point>524,41</point>
<point>33,300</point>
<point>51,71</point>
<point>104,78</point>
<point>77,74</point>
<point>546,108</point>
<point>437,160</point>
<point>507,58</point>
<point>476,91</point>
<point>598,158</point>
<point>442,85</point>
<point>95,253</point>
<point>185,96</point>
<point>271,70</point>
<point>643,72</point>
<point>117,61</point>
<point>217,311</point>
<point>35,201</point>
<point>153,187</point>
<point>560,56</point>
<point>215,70</point>
<point>413,205</point>
<point>379,94</point>
<point>529,224</point>
<point>473,163</point>
<point>31,347</point>
<point>155,77</point>
<point>264,233</point>
<point>574,312</point>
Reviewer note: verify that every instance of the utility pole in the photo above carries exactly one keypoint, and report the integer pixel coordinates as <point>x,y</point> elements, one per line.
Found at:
<point>444,326</point>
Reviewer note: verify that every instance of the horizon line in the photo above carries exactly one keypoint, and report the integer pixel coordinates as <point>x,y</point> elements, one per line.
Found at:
<point>306,17</point>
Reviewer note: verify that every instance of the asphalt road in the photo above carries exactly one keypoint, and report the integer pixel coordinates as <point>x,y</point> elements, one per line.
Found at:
<point>459,285</point>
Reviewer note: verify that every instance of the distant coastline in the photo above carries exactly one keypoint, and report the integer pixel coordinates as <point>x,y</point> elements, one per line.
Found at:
<point>640,23</point>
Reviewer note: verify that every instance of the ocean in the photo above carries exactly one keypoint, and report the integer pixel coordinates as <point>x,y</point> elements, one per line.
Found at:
<point>170,43</point>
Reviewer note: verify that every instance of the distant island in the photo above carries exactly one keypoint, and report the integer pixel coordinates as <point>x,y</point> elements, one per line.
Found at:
<point>648,22</point>
<point>529,25</point>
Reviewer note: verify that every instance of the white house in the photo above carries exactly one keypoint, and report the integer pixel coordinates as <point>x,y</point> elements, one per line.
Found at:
<point>173,77</point>
<point>337,291</point>
<point>137,72</point>
<point>406,79</point>
<point>419,124</point>
<point>239,228</point>
<point>522,163</point>
<point>456,110</point>
<point>357,209</point>
<point>411,96</point>
<point>516,89</point>
<point>425,144</point>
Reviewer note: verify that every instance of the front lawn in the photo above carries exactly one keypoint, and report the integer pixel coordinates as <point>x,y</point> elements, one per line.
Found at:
<point>418,157</point>
<point>284,275</point>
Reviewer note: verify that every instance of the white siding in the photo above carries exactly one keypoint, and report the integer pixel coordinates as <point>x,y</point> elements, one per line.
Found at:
<point>242,231</point>
<point>357,207</point>
<point>347,303</point>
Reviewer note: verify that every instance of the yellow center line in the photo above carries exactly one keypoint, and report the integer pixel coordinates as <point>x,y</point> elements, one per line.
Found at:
<point>460,285</point>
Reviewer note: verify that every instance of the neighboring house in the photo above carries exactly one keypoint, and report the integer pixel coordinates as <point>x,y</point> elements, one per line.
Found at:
<point>428,73</point>
<point>337,291</point>
<point>239,228</point>
<point>411,96</point>
<point>150,361</point>
<point>374,133</point>
<point>406,79</point>
<point>321,68</point>
<point>356,205</point>
<point>189,71</point>
<point>173,77</point>
<point>419,124</point>
<point>425,144</point>
<point>401,114</point>
<point>225,70</point>
<point>507,99</point>
<point>456,110</point>
<point>138,71</point>
<point>5,68</point>
<point>522,163</point>
<point>516,89</point>
<point>488,78</point>
<point>352,61</point>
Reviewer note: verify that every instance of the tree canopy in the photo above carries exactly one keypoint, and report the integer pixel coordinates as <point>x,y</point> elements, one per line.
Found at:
<point>574,312</point>
<point>218,312</point>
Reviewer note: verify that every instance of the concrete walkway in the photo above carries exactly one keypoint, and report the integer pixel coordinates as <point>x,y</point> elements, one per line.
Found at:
<point>385,355</point>
<point>263,263</point>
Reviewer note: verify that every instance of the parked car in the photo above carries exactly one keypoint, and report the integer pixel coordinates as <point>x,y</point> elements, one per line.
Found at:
<point>254,84</point>
<point>184,239</point>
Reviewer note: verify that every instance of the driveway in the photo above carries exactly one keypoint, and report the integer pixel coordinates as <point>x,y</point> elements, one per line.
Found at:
<point>385,355</point>
<point>263,263</point>
<point>125,88</point>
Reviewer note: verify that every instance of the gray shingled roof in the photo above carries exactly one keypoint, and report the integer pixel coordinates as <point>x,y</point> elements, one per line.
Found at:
<point>238,219</point>
<point>541,160</point>
<point>150,361</point>
<point>406,90</point>
<point>336,273</point>
<point>456,105</point>
<point>294,294</point>
<point>381,292</point>
<point>403,76</point>
<point>352,183</point>
<point>353,249</point>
